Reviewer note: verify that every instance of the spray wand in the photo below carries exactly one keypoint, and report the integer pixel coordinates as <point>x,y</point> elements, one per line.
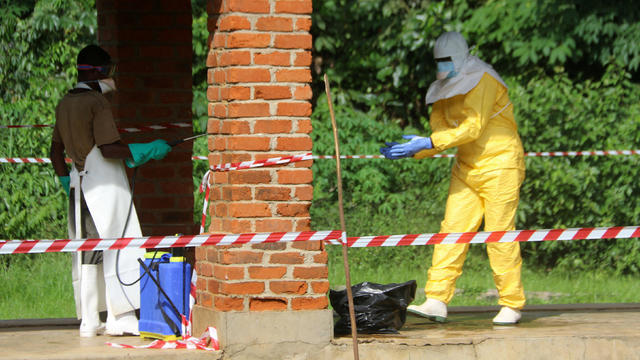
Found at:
<point>180,141</point>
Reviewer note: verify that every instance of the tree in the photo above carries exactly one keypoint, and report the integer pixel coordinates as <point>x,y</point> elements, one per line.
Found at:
<point>39,41</point>
<point>579,36</point>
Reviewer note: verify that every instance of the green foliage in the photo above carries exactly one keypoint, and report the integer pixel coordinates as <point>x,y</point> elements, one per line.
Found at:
<point>556,113</point>
<point>39,46</point>
<point>199,108</point>
<point>36,286</point>
<point>39,42</point>
<point>379,195</point>
<point>570,67</point>
<point>387,185</point>
<point>379,52</point>
<point>589,34</point>
<point>476,287</point>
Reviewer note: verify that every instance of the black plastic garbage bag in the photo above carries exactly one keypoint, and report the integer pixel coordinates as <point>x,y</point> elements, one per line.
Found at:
<point>379,308</point>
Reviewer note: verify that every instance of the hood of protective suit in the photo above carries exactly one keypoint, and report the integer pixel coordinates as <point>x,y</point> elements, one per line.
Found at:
<point>452,44</point>
<point>469,68</point>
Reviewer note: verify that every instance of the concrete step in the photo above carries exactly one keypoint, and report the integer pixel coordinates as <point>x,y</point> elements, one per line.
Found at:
<point>585,331</point>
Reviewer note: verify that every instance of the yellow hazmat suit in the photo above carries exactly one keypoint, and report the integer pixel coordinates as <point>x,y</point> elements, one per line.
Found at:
<point>485,183</point>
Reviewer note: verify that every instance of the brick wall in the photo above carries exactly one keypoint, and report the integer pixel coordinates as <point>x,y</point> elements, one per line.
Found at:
<point>263,277</point>
<point>150,40</point>
<point>259,107</point>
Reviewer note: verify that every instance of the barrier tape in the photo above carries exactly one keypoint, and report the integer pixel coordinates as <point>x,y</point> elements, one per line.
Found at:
<point>122,130</point>
<point>260,163</point>
<point>27,160</point>
<point>618,232</point>
<point>309,156</point>
<point>186,328</point>
<point>154,127</point>
<point>208,341</point>
<point>31,160</point>
<point>24,126</point>
<point>204,184</point>
<point>528,154</point>
<point>358,156</point>
<point>583,153</point>
<point>333,237</point>
<point>153,242</point>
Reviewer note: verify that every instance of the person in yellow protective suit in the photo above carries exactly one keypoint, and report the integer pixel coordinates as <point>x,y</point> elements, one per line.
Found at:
<point>471,111</point>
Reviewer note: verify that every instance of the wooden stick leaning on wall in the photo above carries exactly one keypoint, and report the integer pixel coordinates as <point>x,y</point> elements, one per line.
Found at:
<point>343,228</point>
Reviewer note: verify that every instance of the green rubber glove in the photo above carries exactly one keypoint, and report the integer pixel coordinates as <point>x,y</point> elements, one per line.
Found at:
<point>64,181</point>
<point>143,152</point>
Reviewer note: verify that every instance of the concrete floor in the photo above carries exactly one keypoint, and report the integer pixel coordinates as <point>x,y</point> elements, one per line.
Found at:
<point>545,332</point>
<point>586,332</point>
<point>58,343</point>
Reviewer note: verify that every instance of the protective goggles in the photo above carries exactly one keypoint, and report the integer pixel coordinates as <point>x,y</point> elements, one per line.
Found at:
<point>106,70</point>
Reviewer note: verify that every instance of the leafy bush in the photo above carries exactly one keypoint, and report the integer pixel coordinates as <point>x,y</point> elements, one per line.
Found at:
<point>559,114</point>
<point>39,42</point>
<point>380,53</point>
<point>379,195</point>
<point>583,36</point>
<point>571,85</point>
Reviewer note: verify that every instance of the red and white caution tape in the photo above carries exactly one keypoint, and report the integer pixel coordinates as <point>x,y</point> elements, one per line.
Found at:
<point>135,129</point>
<point>25,126</point>
<point>32,160</point>
<point>260,163</point>
<point>529,154</point>
<point>208,341</point>
<point>350,157</point>
<point>153,242</point>
<point>309,156</point>
<point>204,186</point>
<point>186,328</point>
<point>618,232</point>
<point>332,236</point>
<point>27,160</point>
<point>154,127</point>
<point>583,153</point>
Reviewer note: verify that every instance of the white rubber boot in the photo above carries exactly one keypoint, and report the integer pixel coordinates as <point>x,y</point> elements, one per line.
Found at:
<point>90,325</point>
<point>122,324</point>
<point>507,316</point>
<point>432,309</point>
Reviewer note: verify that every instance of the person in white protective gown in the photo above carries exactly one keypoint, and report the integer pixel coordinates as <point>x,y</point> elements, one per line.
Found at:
<point>100,203</point>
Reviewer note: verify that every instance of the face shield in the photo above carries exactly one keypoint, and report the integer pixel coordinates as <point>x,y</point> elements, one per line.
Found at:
<point>106,83</point>
<point>107,71</point>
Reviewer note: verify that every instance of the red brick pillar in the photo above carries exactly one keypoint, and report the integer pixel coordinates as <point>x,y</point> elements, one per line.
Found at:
<point>150,41</point>
<point>259,108</point>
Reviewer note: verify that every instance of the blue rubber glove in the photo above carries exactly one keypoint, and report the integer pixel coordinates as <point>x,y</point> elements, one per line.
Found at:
<point>143,152</point>
<point>385,150</point>
<point>64,181</point>
<point>415,144</point>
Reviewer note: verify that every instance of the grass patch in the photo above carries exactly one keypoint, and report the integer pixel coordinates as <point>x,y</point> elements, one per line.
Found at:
<point>39,285</point>
<point>475,287</point>
<point>36,286</point>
